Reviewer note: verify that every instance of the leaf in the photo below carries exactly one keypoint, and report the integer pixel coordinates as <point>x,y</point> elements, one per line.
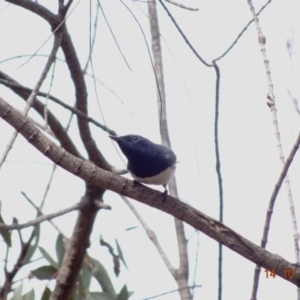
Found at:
<point>50,260</point>
<point>6,234</point>
<point>120,253</point>
<point>29,296</point>
<point>46,294</point>
<point>60,248</point>
<point>32,248</point>
<point>131,228</point>
<point>123,295</point>
<point>102,277</point>
<point>44,272</point>
<point>85,278</point>
<point>18,292</point>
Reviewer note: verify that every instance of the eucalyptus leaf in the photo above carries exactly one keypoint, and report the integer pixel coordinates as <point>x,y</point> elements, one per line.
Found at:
<point>44,272</point>
<point>50,260</point>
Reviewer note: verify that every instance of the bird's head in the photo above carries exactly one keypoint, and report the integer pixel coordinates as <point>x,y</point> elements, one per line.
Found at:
<point>132,144</point>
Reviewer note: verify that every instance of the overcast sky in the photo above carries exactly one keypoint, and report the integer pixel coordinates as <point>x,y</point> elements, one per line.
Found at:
<point>249,156</point>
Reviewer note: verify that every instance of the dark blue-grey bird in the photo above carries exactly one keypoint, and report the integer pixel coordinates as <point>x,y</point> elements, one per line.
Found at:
<point>147,162</point>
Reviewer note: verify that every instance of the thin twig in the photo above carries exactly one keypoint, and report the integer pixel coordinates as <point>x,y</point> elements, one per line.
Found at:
<point>219,173</point>
<point>48,94</point>
<point>61,103</point>
<point>56,45</point>
<point>112,33</point>
<point>271,208</point>
<point>9,276</point>
<point>184,36</point>
<point>48,186</point>
<point>148,50</point>
<point>242,32</point>
<point>40,213</point>
<point>94,36</point>
<point>196,261</point>
<point>182,5</point>
<point>272,105</point>
<point>173,291</point>
<point>151,235</point>
<point>40,219</point>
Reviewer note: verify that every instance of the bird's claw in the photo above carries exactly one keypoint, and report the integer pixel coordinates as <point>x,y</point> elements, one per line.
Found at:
<point>165,193</point>
<point>134,183</point>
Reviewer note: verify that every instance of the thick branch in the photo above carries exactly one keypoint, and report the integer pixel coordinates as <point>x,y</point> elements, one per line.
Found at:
<point>81,100</point>
<point>182,273</point>
<point>108,180</point>
<point>53,122</point>
<point>76,74</point>
<point>74,110</point>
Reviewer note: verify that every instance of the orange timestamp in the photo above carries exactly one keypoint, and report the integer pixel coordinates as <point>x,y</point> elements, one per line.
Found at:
<point>287,273</point>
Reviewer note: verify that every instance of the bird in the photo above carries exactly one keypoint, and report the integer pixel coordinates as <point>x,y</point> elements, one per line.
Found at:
<point>148,162</point>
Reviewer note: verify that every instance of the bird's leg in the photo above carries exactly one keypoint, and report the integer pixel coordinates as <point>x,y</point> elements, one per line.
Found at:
<point>134,183</point>
<point>165,194</point>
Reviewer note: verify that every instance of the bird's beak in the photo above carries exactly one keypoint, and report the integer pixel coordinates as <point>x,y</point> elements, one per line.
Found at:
<point>114,138</point>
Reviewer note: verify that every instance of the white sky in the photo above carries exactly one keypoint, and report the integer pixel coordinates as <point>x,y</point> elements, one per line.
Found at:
<point>249,157</point>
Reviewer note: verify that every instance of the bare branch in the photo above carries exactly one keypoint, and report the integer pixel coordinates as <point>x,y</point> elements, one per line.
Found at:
<point>40,219</point>
<point>219,174</point>
<point>81,100</point>
<point>271,208</point>
<point>108,180</point>
<point>76,74</point>
<point>183,35</point>
<point>56,44</point>
<point>74,110</point>
<point>172,291</point>
<point>94,36</point>
<point>272,105</point>
<point>242,32</point>
<point>181,5</point>
<point>54,124</point>
<point>112,33</point>
<point>21,260</point>
<point>37,9</point>
<point>152,237</point>
<point>182,273</point>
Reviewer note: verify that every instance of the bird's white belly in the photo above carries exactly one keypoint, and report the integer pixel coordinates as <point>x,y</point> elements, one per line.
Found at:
<point>160,179</point>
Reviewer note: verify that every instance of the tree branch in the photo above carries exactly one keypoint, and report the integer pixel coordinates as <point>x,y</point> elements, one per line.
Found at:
<point>108,180</point>
<point>152,237</point>
<point>53,122</point>
<point>56,44</point>
<point>40,219</point>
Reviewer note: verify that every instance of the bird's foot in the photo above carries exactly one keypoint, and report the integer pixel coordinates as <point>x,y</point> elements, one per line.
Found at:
<point>134,183</point>
<point>165,193</point>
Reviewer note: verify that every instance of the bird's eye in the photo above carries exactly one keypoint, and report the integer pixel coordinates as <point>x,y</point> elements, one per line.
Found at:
<point>134,138</point>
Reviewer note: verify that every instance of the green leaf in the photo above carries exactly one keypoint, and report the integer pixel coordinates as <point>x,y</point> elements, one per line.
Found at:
<point>29,296</point>
<point>50,260</point>
<point>46,294</point>
<point>44,272</point>
<point>131,228</point>
<point>100,274</point>
<point>60,248</point>
<point>32,248</point>
<point>120,253</point>
<point>85,278</point>
<point>123,295</point>
<point>6,234</point>
<point>18,292</point>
